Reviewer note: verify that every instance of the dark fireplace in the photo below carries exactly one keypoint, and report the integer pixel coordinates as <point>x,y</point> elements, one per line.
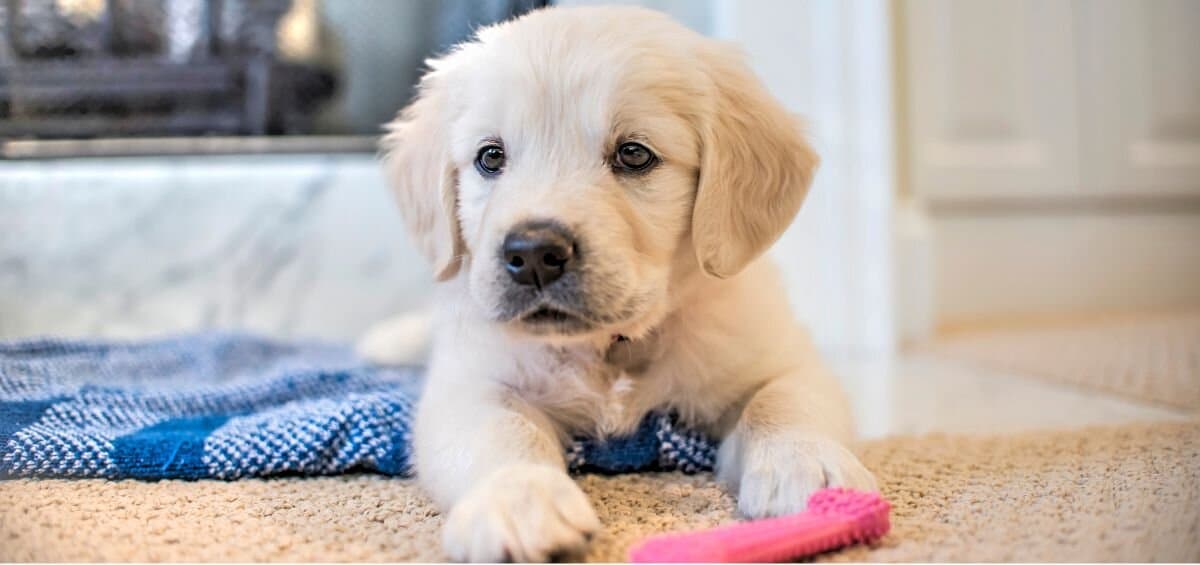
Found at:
<point>114,68</point>
<point>127,77</point>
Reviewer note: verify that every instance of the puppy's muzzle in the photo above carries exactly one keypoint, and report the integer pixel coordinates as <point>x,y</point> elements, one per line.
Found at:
<point>539,253</point>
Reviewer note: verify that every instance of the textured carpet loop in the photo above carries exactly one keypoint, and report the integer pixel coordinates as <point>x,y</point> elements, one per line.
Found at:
<point>1129,493</point>
<point>1147,357</point>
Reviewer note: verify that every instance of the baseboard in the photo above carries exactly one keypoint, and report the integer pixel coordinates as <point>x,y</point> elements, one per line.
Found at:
<point>989,267</point>
<point>913,262</point>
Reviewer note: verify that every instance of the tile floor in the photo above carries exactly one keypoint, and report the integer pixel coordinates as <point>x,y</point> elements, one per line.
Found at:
<point>921,393</point>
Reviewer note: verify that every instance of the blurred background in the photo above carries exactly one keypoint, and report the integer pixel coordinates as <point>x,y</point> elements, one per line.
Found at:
<point>170,165</point>
<point>180,68</point>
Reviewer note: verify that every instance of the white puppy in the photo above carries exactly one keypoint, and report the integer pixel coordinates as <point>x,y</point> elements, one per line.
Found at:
<point>595,188</point>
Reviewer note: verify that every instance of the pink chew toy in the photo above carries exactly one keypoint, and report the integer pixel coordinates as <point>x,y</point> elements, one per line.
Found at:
<point>835,517</point>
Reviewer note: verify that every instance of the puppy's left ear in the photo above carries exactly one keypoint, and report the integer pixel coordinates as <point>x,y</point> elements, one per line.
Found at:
<point>755,168</point>
<point>417,162</point>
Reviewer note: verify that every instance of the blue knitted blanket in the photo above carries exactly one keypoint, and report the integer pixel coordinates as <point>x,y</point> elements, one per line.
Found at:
<point>232,405</point>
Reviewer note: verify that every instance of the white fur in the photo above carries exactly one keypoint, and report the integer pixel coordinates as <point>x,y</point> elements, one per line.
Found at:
<point>675,257</point>
<point>398,340</point>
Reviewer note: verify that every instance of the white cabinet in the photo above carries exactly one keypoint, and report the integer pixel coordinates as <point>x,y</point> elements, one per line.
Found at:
<point>1057,145</point>
<point>1140,78</point>
<point>1053,98</point>
<point>991,97</point>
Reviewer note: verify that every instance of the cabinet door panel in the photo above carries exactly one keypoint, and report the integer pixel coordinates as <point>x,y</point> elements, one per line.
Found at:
<point>991,97</point>
<point>1140,76</point>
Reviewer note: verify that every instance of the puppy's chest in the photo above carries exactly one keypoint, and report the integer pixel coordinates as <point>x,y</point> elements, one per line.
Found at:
<point>595,392</point>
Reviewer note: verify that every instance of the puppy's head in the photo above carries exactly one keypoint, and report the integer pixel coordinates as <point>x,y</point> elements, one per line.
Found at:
<point>577,164</point>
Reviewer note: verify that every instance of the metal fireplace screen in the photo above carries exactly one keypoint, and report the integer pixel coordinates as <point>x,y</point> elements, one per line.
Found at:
<point>107,68</point>
<point>78,69</point>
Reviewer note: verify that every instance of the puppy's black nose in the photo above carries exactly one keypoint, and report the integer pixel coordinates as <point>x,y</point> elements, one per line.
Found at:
<point>538,253</point>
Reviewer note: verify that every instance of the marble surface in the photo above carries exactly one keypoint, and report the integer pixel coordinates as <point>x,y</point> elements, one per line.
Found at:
<point>293,245</point>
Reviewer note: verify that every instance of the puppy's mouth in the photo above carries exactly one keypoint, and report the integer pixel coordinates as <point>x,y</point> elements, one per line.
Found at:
<point>547,315</point>
<point>547,320</point>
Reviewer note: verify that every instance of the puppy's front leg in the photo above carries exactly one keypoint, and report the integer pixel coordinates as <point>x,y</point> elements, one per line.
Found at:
<point>496,464</point>
<point>789,441</point>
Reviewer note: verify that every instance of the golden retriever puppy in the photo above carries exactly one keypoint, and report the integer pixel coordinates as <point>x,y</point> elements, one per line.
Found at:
<point>595,189</point>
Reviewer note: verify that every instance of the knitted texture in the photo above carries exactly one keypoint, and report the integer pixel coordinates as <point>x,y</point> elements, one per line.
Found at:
<point>232,405</point>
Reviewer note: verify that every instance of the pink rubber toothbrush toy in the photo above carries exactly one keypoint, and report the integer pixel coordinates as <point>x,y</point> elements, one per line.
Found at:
<point>835,517</point>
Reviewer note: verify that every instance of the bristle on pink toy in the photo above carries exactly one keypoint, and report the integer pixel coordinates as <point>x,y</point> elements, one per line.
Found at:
<point>835,517</point>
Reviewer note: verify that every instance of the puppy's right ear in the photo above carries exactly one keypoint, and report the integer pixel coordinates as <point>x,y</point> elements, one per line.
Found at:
<point>417,160</point>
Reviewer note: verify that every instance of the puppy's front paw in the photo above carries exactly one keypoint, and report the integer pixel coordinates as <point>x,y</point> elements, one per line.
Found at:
<point>775,474</point>
<point>520,513</point>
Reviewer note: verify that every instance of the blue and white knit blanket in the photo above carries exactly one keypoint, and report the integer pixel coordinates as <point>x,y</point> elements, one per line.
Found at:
<point>230,405</point>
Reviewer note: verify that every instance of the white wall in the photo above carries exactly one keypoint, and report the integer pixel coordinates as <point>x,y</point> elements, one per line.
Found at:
<point>829,61</point>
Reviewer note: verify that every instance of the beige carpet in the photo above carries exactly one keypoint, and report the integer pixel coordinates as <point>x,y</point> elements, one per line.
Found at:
<point>1154,357</point>
<point>1108,494</point>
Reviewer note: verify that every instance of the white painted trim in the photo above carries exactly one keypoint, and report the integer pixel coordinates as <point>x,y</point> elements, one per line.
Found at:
<point>830,61</point>
<point>913,268</point>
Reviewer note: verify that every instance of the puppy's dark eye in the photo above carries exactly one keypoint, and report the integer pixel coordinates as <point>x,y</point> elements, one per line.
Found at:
<point>490,160</point>
<point>634,157</point>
